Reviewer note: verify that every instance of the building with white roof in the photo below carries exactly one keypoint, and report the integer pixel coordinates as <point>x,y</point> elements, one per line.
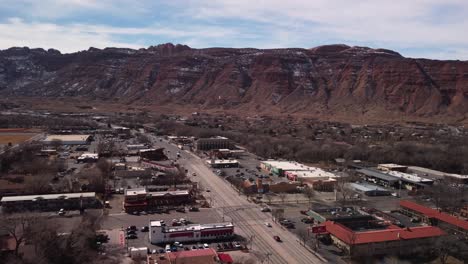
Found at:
<point>459,178</point>
<point>223,163</point>
<point>50,202</point>
<point>68,139</point>
<point>279,167</point>
<point>159,233</point>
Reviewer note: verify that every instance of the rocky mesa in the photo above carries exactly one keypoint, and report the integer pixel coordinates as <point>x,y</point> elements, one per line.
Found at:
<point>326,79</point>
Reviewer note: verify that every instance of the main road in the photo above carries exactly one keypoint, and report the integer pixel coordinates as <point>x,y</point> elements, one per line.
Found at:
<point>245,215</point>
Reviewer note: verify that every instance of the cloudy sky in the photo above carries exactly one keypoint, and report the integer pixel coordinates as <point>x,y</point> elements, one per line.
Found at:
<point>416,28</point>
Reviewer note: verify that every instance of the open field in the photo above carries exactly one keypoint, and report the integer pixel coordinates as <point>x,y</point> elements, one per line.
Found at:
<point>14,138</point>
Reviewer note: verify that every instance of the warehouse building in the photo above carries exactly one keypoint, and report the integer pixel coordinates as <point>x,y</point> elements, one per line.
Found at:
<point>203,144</point>
<point>50,202</point>
<point>68,139</point>
<point>159,233</point>
<point>140,199</point>
<point>434,217</point>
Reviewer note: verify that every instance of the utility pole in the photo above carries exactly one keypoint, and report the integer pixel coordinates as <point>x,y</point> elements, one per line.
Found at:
<point>251,241</point>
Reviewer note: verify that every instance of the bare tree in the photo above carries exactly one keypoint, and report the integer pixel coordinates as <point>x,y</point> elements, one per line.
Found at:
<point>303,235</point>
<point>277,214</point>
<point>105,167</point>
<point>16,227</point>
<point>309,194</point>
<point>282,197</point>
<point>39,184</point>
<point>341,187</point>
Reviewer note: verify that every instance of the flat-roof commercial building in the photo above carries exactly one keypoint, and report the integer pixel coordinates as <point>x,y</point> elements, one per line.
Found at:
<point>394,178</point>
<point>279,168</point>
<point>457,178</point>
<point>311,175</point>
<point>390,241</point>
<point>223,163</point>
<point>378,177</point>
<point>319,179</point>
<point>68,139</point>
<point>159,233</point>
<point>87,157</point>
<point>369,189</point>
<point>434,217</point>
<point>340,215</point>
<point>392,167</point>
<point>139,199</point>
<point>50,202</point>
<point>213,143</point>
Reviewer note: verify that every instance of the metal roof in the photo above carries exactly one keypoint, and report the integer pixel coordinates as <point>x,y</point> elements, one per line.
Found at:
<point>50,138</point>
<point>378,174</point>
<point>47,197</point>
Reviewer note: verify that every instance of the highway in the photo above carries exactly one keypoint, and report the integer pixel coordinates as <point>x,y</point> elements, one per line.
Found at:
<point>245,216</point>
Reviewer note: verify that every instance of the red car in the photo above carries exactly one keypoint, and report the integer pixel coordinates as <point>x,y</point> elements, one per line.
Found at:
<point>277,238</point>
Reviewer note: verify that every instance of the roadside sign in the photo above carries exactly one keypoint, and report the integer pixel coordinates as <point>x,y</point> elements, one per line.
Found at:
<point>319,229</point>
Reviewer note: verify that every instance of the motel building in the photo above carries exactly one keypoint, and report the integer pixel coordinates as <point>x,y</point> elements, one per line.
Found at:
<point>159,233</point>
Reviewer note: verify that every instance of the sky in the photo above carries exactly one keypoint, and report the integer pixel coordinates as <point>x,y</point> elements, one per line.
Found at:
<point>436,29</point>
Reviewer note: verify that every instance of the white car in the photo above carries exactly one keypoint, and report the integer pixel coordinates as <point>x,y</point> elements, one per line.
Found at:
<point>206,245</point>
<point>267,224</point>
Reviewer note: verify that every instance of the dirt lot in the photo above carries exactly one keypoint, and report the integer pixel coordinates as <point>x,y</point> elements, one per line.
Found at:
<point>14,138</point>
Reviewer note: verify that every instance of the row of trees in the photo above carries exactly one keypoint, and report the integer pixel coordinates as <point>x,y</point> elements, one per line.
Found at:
<point>446,156</point>
<point>39,237</point>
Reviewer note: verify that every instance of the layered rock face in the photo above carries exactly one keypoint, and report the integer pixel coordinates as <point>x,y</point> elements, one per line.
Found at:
<point>333,78</point>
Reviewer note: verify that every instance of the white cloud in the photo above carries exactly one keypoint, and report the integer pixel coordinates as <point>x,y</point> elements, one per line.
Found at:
<point>417,26</point>
<point>396,24</point>
<point>75,37</point>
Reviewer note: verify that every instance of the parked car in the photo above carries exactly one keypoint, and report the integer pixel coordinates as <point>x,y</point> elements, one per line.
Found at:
<point>194,247</point>
<point>132,228</point>
<point>180,210</point>
<point>194,209</point>
<point>266,209</point>
<point>277,238</point>
<point>206,245</point>
<point>144,229</point>
<point>129,232</point>
<point>62,212</point>
<point>267,224</point>
<point>131,236</point>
